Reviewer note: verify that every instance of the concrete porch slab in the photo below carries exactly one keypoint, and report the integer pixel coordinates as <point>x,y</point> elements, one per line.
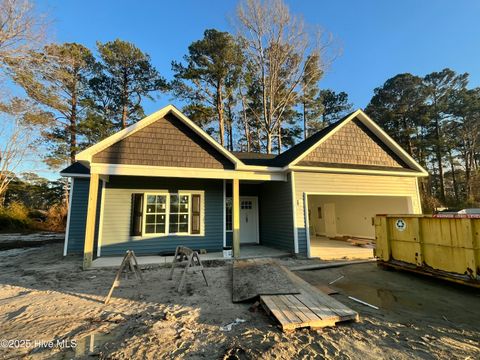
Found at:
<point>246,252</point>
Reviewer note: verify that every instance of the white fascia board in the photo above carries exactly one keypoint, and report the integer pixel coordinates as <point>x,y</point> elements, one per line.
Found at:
<point>73,175</point>
<point>355,171</point>
<point>161,171</point>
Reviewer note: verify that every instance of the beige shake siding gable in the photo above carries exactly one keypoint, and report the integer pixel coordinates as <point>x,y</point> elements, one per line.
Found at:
<point>165,142</point>
<point>353,144</point>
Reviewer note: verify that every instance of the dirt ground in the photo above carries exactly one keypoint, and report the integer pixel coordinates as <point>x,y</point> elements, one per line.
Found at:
<point>45,297</point>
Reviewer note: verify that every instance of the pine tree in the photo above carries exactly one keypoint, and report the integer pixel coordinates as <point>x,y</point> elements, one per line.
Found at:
<point>209,76</point>
<point>129,77</point>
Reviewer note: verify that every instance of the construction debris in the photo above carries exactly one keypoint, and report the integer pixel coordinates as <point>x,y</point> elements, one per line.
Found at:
<point>193,264</point>
<point>129,263</point>
<point>228,327</point>
<point>334,281</point>
<point>310,308</point>
<point>363,302</point>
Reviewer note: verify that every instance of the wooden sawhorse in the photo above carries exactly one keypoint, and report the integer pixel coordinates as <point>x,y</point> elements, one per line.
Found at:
<point>194,264</point>
<point>129,263</point>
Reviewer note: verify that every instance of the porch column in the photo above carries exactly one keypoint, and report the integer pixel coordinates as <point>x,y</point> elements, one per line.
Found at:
<point>236,218</point>
<point>90,223</point>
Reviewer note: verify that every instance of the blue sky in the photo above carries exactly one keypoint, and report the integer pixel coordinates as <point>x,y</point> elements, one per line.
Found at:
<point>379,38</point>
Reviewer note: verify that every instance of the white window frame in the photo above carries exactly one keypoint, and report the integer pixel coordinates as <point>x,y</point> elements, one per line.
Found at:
<point>189,223</point>
<point>189,193</point>
<point>144,214</point>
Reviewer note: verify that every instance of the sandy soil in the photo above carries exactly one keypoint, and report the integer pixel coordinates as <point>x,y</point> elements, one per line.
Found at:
<point>44,297</point>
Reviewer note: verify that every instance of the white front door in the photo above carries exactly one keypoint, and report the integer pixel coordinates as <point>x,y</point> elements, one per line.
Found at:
<point>248,220</point>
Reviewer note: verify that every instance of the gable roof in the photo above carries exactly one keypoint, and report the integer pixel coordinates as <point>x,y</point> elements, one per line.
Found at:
<point>288,160</point>
<point>87,154</point>
<point>290,155</point>
<point>294,155</point>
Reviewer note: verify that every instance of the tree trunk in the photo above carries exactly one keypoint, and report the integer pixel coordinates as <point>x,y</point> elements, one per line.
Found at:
<point>221,121</point>
<point>269,142</point>
<point>124,116</point>
<point>407,138</point>
<point>438,155</point>
<point>454,178</point>
<point>73,125</point>
<point>279,138</point>
<point>245,124</point>
<point>305,124</point>
<point>125,100</point>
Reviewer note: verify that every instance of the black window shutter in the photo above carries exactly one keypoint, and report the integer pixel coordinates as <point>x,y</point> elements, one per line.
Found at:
<point>195,214</point>
<point>136,222</point>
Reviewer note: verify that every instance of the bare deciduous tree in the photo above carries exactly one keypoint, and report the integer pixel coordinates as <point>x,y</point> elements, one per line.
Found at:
<point>21,29</point>
<point>278,46</point>
<point>20,125</point>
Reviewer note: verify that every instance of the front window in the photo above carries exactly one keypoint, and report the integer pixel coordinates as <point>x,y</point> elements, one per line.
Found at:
<point>179,213</point>
<point>155,218</point>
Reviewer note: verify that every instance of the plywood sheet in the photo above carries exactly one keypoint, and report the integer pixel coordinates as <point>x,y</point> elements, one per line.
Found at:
<point>310,308</point>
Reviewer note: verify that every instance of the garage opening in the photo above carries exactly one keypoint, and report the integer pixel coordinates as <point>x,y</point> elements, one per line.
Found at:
<point>342,226</point>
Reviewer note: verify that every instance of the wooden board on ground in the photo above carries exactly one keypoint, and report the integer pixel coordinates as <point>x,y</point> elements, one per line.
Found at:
<point>310,308</point>
<point>255,277</point>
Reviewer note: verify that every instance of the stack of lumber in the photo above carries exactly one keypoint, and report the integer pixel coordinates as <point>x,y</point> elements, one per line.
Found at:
<point>288,298</point>
<point>309,308</point>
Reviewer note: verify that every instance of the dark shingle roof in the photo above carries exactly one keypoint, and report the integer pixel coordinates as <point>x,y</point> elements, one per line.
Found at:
<point>76,168</point>
<point>285,158</point>
<point>254,158</point>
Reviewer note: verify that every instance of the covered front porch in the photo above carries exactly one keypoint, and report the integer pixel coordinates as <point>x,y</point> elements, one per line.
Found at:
<point>252,216</point>
<point>247,252</point>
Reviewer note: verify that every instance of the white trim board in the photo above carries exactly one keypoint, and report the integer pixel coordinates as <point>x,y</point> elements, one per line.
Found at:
<point>294,210</point>
<point>340,170</point>
<point>67,229</point>
<point>224,213</point>
<point>100,219</point>
<point>307,222</point>
<point>165,171</point>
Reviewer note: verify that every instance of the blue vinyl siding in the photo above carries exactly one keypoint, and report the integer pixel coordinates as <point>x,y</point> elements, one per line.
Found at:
<point>78,215</point>
<point>302,241</point>
<point>117,212</point>
<point>229,238</point>
<point>276,215</point>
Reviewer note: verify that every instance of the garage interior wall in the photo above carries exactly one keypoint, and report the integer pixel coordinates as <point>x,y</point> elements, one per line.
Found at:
<point>348,184</point>
<point>353,214</point>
